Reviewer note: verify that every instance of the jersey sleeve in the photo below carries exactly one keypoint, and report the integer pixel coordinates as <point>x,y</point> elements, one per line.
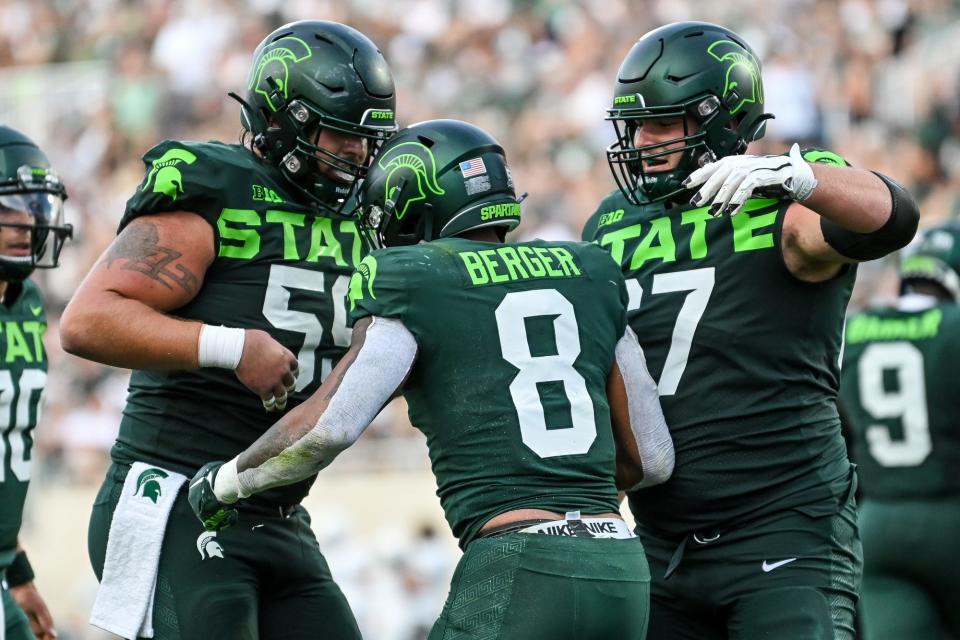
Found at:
<point>179,176</point>
<point>610,210</point>
<point>823,156</point>
<point>379,286</point>
<point>605,270</point>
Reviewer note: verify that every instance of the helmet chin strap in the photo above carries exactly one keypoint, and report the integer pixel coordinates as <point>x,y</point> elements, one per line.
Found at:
<point>250,114</point>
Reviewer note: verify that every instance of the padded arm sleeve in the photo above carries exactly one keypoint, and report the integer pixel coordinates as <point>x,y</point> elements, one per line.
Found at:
<point>646,417</point>
<point>895,233</point>
<point>381,366</point>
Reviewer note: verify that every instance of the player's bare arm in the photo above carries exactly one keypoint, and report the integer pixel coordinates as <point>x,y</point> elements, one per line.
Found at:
<point>645,455</point>
<point>120,315</point>
<point>306,440</point>
<point>852,215</point>
<point>629,465</point>
<point>840,214</point>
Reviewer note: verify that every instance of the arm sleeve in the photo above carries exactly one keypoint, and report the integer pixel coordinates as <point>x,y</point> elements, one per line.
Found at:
<point>381,366</point>
<point>646,417</point>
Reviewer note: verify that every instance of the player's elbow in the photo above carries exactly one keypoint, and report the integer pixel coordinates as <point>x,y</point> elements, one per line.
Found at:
<point>325,442</point>
<point>655,467</point>
<point>660,468</point>
<point>77,330</point>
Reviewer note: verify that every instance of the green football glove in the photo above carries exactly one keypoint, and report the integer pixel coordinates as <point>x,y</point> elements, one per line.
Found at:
<point>214,515</point>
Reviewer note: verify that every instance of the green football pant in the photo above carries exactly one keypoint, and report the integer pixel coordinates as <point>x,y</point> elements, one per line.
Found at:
<point>911,587</point>
<point>790,576</point>
<point>13,619</point>
<point>527,586</point>
<point>263,578</point>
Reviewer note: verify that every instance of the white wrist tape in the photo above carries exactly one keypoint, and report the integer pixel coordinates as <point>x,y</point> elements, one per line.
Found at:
<point>220,346</point>
<point>225,485</point>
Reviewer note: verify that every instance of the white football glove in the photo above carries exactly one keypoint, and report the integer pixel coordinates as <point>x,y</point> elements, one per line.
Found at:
<point>730,181</point>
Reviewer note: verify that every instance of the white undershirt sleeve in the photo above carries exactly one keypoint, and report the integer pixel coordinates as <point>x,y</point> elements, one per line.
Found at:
<point>646,417</point>
<point>382,364</point>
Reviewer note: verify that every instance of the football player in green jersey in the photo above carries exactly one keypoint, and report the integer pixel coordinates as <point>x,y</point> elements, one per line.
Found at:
<point>32,233</point>
<point>898,392</point>
<point>519,368</point>
<point>739,270</point>
<point>256,238</point>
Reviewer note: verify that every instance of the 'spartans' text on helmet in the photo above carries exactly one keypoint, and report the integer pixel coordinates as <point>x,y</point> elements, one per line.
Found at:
<point>415,158</point>
<point>736,58</point>
<point>149,483</point>
<point>165,176</point>
<point>275,62</point>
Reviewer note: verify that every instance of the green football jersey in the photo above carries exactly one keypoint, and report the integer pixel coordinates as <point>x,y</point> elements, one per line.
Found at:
<point>279,267</point>
<point>746,358</point>
<point>898,393</point>
<point>515,345</point>
<point>23,376</point>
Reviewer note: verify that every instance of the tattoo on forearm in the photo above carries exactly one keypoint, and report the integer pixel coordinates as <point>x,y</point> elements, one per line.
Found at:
<point>139,250</point>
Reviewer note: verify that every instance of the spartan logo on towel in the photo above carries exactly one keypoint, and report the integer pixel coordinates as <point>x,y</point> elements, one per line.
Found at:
<point>208,546</point>
<point>165,175</point>
<point>149,483</point>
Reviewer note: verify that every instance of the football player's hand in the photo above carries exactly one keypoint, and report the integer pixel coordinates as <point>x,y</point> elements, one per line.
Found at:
<point>214,515</point>
<point>729,182</point>
<point>28,598</point>
<point>268,369</point>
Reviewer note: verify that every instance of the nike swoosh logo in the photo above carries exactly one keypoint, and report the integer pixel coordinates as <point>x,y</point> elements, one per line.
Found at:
<point>36,310</point>
<point>770,566</point>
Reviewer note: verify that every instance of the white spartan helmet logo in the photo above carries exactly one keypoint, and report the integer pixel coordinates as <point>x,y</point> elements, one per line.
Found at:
<point>208,546</point>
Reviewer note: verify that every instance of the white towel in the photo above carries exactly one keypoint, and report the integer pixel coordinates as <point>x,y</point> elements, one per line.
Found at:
<point>3,619</point>
<point>124,603</point>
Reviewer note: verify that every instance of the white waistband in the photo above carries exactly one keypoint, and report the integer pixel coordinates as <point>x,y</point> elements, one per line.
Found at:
<point>583,528</point>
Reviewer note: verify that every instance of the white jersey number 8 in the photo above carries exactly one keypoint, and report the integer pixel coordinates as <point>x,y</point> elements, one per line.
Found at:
<point>515,308</point>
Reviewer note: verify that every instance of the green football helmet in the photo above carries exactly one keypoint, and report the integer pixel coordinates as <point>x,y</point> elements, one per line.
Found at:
<point>696,71</point>
<point>313,75</point>
<point>31,197</point>
<point>934,258</point>
<point>437,179</point>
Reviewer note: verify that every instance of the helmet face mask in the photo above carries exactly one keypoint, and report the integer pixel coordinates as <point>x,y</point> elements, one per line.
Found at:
<point>627,160</point>
<point>437,179</point>
<point>32,228</point>
<point>701,73</point>
<point>311,76</point>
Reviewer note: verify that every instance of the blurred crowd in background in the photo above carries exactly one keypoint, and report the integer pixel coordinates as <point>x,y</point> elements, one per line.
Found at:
<point>98,82</point>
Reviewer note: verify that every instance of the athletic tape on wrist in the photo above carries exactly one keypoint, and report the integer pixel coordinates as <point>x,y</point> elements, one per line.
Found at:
<point>226,485</point>
<point>220,346</point>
